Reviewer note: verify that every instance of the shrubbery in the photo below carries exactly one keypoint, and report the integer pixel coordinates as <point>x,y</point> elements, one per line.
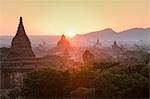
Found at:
<point>123,82</point>
<point>44,83</point>
<point>107,80</point>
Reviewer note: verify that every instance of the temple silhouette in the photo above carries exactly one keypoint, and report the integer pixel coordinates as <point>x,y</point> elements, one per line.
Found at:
<point>21,45</point>
<point>62,48</point>
<point>20,59</point>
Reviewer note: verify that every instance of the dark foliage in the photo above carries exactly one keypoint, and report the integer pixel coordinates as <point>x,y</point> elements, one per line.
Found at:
<point>104,65</point>
<point>44,83</point>
<point>107,80</point>
<point>123,82</point>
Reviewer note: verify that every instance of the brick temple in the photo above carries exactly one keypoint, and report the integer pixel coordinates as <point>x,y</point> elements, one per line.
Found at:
<point>20,59</point>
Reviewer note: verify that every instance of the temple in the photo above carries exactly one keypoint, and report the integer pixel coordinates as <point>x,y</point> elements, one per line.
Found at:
<point>63,43</point>
<point>116,49</point>
<point>115,45</point>
<point>97,44</point>
<point>21,45</point>
<point>88,57</point>
<point>20,59</point>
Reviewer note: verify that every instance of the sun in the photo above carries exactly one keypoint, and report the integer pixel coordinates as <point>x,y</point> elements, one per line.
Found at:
<point>70,34</point>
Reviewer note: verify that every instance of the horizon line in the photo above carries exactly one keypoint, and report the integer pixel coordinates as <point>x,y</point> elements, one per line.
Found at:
<point>148,27</point>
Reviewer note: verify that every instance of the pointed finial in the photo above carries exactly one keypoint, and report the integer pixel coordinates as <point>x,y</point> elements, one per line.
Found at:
<point>115,42</point>
<point>20,20</point>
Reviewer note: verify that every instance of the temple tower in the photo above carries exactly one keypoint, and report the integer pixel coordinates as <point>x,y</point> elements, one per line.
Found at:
<point>115,45</point>
<point>116,49</point>
<point>63,43</point>
<point>88,57</point>
<point>97,44</point>
<point>21,45</point>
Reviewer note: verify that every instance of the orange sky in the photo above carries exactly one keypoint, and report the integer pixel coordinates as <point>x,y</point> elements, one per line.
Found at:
<point>54,17</point>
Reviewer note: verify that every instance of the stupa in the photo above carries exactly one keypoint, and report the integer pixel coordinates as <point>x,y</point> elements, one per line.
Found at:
<point>97,44</point>
<point>115,45</point>
<point>88,57</point>
<point>63,43</point>
<point>21,45</point>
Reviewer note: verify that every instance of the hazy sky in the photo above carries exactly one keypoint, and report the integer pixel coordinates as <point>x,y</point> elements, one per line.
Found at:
<point>52,17</point>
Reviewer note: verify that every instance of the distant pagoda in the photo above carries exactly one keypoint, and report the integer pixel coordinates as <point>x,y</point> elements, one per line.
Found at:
<point>97,44</point>
<point>116,49</point>
<point>88,57</point>
<point>21,45</point>
<point>115,45</point>
<point>63,43</point>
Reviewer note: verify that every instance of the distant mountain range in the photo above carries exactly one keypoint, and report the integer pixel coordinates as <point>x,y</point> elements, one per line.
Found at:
<point>108,35</point>
<point>133,34</point>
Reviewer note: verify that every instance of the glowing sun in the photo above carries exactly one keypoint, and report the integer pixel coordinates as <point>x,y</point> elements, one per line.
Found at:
<point>70,34</point>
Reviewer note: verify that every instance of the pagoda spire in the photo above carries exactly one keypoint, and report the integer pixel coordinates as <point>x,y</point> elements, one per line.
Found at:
<point>21,20</point>
<point>21,44</point>
<point>21,30</point>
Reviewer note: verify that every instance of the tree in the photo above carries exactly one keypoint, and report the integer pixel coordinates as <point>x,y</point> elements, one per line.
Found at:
<point>123,82</point>
<point>83,78</point>
<point>44,83</point>
<point>104,65</point>
<point>82,92</point>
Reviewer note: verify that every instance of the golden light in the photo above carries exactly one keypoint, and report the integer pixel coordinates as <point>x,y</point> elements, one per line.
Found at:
<point>70,34</point>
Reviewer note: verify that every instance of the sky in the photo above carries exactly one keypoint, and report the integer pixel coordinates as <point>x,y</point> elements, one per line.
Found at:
<point>57,17</point>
